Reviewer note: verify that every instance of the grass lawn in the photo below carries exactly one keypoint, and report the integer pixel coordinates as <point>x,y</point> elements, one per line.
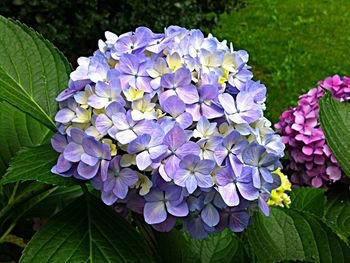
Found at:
<point>292,44</point>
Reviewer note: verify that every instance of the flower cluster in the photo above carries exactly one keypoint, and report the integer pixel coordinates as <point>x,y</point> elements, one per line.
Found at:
<point>279,197</point>
<point>171,126</point>
<point>312,162</point>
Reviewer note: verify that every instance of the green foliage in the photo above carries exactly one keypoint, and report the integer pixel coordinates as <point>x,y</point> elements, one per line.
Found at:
<point>75,26</point>
<point>300,233</point>
<point>32,71</point>
<point>35,164</point>
<point>337,213</point>
<point>18,129</point>
<point>86,231</point>
<point>292,44</point>
<point>221,247</point>
<point>335,122</point>
<point>291,235</point>
<point>308,199</point>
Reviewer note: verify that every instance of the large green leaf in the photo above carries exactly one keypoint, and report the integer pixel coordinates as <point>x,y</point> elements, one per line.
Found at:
<point>308,199</point>
<point>337,213</point>
<point>292,235</point>
<point>55,202</point>
<point>178,246</point>
<point>32,71</point>
<point>333,209</point>
<point>18,129</point>
<point>86,231</point>
<point>35,163</point>
<point>275,238</point>
<point>335,122</point>
<point>222,247</point>
<point>305,231</point>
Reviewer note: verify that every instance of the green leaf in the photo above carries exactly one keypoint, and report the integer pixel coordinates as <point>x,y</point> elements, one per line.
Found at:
<point>23,209</point>
<point>333,209</point>
<point>18,129</point>
<point>275,238</point>
<point>55,202</point>
<point>178,246</point>
<point>288,234</point>
<point>308,199</point>
<point>221,247</point>
<point>35,163</point>
<point>335,123</point>
<point>337,213</point>
<point>32,71</point>
<point>86,231</point>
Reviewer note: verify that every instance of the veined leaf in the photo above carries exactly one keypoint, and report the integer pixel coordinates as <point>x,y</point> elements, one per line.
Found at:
<point>337,213</point>
<point>275,238</point>
<point>300,233</point>
<point>335,122</point>
<point>86,231</point>
<point>333,209</point>
<point>18,129</point>
<point>178,246</point>
<point>55,202</point>
<point>32,71</point>
<point>307,199</point>
<point>221,247</point>
<point>292,235</point>
<point>35,163</point>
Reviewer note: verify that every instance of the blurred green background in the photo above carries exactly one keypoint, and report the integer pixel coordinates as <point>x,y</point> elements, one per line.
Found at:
<point>292,43</point>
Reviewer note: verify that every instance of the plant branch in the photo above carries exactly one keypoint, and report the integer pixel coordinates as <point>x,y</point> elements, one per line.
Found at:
<point>12,197</point>
<point>26,195</point>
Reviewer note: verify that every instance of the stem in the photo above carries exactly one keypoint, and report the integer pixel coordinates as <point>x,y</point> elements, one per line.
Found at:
<point>22,198</point>
<point>8,231</point>
<point>12,197</point>
<point>84,188</point>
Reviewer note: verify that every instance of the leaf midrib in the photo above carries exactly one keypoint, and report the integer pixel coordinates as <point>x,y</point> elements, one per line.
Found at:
<point>32,100</point>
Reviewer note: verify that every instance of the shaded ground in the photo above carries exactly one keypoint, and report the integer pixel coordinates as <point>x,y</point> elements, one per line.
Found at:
<point>292,44</point>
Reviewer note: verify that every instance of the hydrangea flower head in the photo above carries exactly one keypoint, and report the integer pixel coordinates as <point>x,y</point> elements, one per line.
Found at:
<point>312,162</point>
<point>170,125</point>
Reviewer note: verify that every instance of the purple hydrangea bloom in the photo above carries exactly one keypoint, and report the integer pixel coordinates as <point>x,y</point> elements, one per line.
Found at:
<point>234,181</point>
<point>159,203</point>
<point>178,147</point>
<point>63,166</point>
<point>235,218</point>
<point>105,94</point>
<point>179,84</point>
<point>262,163</point>
<point>240,110</point>
<point>230,147</point>
<point>194,172</point>
<point>132,43</point>
<point>206,106</point>
<point>170,125</point>
<point>127,130</point>
<point>98,69</point>
<point>87,152</point>
<point>148,148</point>
<point>104,122</point>
<point>133,73</point>
<point>116,181</point>
<point>175,107</point>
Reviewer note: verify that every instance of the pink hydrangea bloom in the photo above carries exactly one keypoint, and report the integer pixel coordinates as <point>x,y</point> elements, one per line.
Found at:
<point>311,160</point>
